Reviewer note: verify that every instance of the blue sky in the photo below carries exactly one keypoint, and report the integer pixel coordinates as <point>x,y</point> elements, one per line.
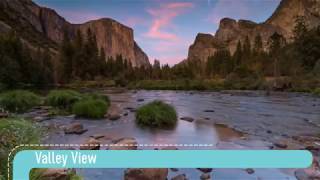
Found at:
<point>164,29</point>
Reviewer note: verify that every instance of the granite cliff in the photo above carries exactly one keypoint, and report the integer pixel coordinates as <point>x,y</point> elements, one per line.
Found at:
<point>230,31</point>
<point>41,26</point>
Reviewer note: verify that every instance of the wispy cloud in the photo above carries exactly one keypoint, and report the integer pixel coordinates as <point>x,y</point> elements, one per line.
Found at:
<point>162,19</point>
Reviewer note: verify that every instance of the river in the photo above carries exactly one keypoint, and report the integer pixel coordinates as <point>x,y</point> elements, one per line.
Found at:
<point>222,120</point>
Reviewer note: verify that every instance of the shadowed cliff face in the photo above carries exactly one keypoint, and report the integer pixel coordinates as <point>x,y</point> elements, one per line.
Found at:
<point>231,31</point>
<point>43,26</point>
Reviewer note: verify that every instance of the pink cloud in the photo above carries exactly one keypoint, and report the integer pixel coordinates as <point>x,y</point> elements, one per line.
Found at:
<point>162,20</point>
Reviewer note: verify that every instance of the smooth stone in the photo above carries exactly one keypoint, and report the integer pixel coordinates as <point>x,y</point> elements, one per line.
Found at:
<point>250,170</point>
<point>75,128</point>
<point>188,119</point>
<point>114,112</point>
<point>128,144</point>
<point>146,174</point>
<point>180,177</point>
<point>205,176</point>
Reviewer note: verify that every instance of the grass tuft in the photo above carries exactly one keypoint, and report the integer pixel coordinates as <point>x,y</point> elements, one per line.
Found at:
<point>63,99</point>
<point>90,108</point>
<point>156,114</point>
<point>19,101</point>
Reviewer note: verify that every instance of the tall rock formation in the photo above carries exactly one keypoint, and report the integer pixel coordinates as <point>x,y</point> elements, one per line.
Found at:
<point>231,31</point>
<point>41,26</point>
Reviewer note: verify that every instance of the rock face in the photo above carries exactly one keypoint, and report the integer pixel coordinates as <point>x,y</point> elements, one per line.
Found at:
<point>43,26</point>
<point>231,31</point>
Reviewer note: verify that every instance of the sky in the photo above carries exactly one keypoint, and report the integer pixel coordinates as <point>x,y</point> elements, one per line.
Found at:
<point>164,29</point>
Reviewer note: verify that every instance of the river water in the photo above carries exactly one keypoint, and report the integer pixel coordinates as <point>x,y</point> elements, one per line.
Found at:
<point>222,120</point>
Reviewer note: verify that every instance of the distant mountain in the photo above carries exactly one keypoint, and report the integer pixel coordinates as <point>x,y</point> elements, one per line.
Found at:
<point>231,31</point>
<point>43,27</point>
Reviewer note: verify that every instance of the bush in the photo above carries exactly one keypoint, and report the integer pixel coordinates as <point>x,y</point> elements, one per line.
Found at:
<point>63,99</point>
<point>14,132</point>
<point>19,101</point>
<point>90,108</point>
<point>98,97</point>
<point>156,114</point>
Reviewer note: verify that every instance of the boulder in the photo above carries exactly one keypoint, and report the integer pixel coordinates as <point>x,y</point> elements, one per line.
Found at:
<point>91,144</point>
<point>174,169</point>
<point>205,170</point>
<point>249,170</point>
<point>188,119</point>
<point>114,112</point>
<point>180,177</point>
<point>146,174</point>
<point>75,128</point>
<point>124,144</point>
<point>205,176</point>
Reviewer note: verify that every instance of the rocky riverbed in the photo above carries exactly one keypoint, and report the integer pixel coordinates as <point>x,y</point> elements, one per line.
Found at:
<point>207,120</point>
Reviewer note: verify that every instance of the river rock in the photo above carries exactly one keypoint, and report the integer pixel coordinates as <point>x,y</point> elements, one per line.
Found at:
<point>54,174</point>
<point>146,174</point>
<point>114,112</point>
<point>97,136</point>
<point>249,170</point>
<point>91,144</point>
<point>180,177</point>
<point>189,119</point>
<point>205,170</point>
<point>208,110</point>
<point>4,115</point>
<point>174,169</point>
<point>140,100</point>
<point>75,128</point>
<point>124,144</point>
<point>205,176</point>
<point>281,145</point>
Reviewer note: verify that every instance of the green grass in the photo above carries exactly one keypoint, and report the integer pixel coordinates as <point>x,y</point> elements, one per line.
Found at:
<point>13,132</point>
<point>63,99</point>
<point>19,101</point>
<point>90,108</point>
<point>156,114</point>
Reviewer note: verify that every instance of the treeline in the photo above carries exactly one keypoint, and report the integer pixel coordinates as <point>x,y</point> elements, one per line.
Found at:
<point>21,65</point>
<point>82,59</point>
<point>297,58</point>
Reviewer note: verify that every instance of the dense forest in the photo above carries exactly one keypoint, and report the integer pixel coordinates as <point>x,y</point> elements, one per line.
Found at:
<point>81,60</point>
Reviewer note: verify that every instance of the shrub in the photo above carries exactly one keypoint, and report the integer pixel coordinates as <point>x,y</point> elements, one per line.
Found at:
<point>63,99</point>
<point>19,100</point>
<point>90,108</point>
<point>156,114</point>
<point>98,97</point>
<point>13,132</point>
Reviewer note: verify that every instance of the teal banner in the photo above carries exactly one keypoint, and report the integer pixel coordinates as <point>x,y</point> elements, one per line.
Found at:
<point>26,160</point>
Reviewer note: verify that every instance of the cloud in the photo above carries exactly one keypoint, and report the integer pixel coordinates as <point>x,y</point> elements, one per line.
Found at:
<point>162,20</point>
